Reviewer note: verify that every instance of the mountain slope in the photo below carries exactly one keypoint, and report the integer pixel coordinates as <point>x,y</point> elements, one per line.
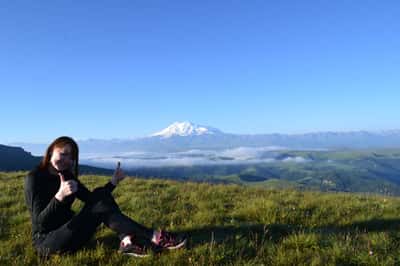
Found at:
<point>368,171</point>
<point>184,129</point>
<point>16,159</point>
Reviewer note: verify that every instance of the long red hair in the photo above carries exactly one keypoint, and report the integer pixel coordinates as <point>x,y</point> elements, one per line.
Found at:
<point>60,143</point>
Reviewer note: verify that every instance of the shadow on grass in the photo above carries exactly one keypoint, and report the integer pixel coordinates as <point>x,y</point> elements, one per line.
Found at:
<point>110,240</point>
<point>374,225</point>
<point>259,233</point>
<point>275,232</point>
<point>220,234</point>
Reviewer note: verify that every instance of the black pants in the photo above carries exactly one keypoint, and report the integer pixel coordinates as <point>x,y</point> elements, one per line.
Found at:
<point>75,233</point>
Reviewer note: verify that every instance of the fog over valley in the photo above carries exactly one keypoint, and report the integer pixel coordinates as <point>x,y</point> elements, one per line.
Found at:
<point>240,155</point>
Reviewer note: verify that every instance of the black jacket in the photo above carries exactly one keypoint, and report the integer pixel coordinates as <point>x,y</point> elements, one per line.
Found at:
<point>47,213</point>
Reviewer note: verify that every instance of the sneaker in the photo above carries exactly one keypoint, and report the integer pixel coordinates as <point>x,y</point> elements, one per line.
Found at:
<point>167,240</point>
<point>128,247</point>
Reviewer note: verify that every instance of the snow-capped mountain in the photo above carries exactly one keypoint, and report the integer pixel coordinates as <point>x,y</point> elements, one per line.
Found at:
<point>186,136</point>
<point>184,129</point>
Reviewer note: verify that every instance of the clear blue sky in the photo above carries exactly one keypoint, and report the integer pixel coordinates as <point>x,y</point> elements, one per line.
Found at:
<point>105,69</point>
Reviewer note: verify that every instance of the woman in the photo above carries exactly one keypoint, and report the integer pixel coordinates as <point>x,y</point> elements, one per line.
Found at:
<point>52,187</point>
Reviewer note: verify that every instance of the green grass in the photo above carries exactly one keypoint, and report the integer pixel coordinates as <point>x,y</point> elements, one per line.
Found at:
<point>227,225</point>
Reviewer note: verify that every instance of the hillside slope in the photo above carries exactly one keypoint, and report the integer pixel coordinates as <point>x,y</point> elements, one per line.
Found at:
<point>367,171</point>
<point>17,159</point>
<point>226,224</point>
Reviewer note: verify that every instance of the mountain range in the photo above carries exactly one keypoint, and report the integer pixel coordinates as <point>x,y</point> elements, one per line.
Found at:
<point>331,161</point>
<point>184,136</point>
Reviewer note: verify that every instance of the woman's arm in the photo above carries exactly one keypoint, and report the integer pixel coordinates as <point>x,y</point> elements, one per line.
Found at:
<point>84,194</point>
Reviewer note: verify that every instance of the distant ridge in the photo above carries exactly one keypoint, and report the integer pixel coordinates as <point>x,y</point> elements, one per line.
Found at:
<point>17,159</point>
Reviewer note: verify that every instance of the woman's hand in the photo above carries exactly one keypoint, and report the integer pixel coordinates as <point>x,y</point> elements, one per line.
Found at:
<point>118,175</point>
<point>67,187</point>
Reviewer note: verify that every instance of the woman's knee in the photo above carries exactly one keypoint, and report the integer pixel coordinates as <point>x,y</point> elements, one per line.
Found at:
<point>103,201</point>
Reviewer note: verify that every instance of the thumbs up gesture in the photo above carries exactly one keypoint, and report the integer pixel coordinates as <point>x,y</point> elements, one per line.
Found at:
<point>118,175</point>
<point>67,187</point>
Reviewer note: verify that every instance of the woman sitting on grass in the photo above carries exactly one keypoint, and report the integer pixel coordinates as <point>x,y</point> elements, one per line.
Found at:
<point>50,190</point>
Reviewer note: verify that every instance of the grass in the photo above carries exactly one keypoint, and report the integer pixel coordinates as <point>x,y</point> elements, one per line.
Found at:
<point>227,225</point>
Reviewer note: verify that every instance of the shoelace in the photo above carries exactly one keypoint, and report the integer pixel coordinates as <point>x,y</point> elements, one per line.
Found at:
<point>166,238</point>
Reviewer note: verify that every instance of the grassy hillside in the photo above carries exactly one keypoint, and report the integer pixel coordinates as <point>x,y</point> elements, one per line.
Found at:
<point>374,171</point>
<point>227,224</point>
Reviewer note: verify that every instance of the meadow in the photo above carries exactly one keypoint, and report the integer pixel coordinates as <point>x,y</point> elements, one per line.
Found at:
<point>226,224</point>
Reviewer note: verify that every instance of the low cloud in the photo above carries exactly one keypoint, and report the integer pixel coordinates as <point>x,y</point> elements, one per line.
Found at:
<point>297,159</point>
<point>138,159</point>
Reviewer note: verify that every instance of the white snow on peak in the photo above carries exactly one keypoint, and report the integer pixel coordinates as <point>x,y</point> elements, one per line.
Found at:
<point>185,129</point>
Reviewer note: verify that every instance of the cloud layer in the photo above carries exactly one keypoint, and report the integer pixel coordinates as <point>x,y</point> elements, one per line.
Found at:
<point>241,155</point>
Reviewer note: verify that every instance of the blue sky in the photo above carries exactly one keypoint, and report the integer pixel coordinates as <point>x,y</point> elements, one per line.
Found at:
<point>117,69</point>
